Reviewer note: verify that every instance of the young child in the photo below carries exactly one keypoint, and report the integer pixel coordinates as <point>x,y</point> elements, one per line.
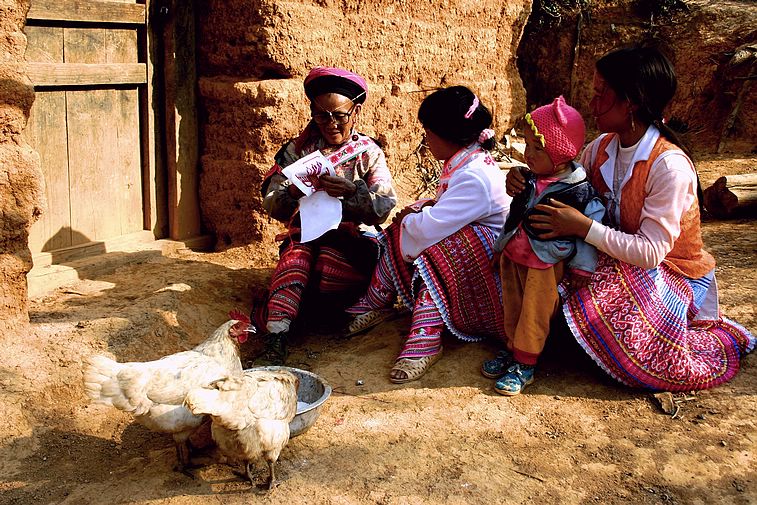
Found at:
<point>532,261</point>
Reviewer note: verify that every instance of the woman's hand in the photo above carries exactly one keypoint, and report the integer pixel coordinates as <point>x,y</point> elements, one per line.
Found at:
<point>560,220</point>
<point>399,216</point>
<point>295,192</point>
<point>514,181</point>
<point>337,186</point>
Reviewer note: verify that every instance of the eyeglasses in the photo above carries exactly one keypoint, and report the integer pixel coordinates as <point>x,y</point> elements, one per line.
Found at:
<point>326,117</point>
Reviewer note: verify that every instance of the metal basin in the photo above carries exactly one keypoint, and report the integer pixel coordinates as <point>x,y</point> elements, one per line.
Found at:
<point>311,394</point>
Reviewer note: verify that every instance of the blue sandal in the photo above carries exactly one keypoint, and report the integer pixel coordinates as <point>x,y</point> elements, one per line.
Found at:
<point>518,376</point>
<point>496,368</point>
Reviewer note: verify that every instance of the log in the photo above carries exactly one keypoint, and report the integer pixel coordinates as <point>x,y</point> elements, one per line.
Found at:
<point>732,196</point>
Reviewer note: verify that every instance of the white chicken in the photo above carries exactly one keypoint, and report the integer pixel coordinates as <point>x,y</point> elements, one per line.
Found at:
<point>250,415</point>
<point>154,391</point>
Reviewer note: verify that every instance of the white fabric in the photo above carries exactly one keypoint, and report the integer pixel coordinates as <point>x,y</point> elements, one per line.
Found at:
<point>671,191</point>
<point>278,326</point>
<point>475,194</point>
<point>319,213</point>
<point>306,172</point>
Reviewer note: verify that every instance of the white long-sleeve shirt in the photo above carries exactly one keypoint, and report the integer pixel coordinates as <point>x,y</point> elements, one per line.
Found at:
<point>670,189</point>
<point>474,193</point>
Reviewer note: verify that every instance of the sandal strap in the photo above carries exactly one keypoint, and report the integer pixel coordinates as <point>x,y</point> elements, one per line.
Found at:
<point>414,368</point>
<point>367,320</point>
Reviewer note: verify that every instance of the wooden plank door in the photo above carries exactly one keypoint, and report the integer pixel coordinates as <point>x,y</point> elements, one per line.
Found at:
<point>88,66</point>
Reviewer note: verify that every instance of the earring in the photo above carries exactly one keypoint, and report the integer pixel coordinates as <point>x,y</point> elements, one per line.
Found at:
<point>354,131</point>
<point>633,125</point>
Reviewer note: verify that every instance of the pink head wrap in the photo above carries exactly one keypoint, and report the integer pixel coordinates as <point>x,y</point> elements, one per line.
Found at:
<point>322,80</point>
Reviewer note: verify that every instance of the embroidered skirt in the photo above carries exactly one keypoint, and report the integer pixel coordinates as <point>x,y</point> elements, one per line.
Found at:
<point>638,326</point>
<point>457,272</point>
<point>338,263</point>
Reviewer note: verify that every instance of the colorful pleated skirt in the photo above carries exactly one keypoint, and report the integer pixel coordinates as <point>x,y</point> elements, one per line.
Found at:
<point>457,272</point>
<point>639,326</point>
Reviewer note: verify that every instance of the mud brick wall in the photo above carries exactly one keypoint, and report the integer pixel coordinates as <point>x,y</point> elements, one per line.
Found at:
<point>20,176</point>
<point>701,40</point>
<point>254,55</point>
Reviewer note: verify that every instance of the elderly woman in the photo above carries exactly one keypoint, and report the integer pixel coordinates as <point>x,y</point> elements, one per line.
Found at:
<point>340,262</point>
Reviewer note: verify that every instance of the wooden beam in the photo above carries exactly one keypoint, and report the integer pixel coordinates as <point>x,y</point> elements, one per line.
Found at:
<point>86,74</point>
<point>92,11</point>
<point>181,123</point>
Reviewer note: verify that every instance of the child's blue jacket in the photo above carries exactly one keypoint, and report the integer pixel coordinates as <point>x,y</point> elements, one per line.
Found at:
<point>580,255</point>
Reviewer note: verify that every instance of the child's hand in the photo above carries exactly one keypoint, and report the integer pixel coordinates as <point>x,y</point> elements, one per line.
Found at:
<point>514,181</point>
<point>560,220</point>
<point>399,216</point>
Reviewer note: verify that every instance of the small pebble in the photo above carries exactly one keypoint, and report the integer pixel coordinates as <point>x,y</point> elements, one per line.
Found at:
<point>359,382</point>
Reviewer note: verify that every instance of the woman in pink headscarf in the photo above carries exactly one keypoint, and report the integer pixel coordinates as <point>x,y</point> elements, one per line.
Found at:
<point>341,261</point>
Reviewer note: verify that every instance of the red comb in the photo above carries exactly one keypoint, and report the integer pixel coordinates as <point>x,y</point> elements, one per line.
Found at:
<point>239,316</point>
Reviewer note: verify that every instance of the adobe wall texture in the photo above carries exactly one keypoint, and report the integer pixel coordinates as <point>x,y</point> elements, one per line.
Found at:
<point>700,38</point>
<point>20,176</point>
<point>254,55</point>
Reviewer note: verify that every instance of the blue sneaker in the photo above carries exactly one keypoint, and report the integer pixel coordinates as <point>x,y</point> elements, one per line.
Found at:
<point>518,376</point>
<point>496,368</point>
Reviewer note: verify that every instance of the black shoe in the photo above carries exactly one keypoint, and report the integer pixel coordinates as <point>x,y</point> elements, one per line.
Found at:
<point>275,352</point>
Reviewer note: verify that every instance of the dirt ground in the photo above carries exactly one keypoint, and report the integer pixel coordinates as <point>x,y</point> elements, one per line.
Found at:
<point>574,436</point>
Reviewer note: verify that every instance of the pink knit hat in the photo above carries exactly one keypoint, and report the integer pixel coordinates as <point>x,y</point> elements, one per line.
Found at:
<point>560,128</point>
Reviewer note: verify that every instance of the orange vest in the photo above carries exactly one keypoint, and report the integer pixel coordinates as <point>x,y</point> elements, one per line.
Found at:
<point>688,256</point>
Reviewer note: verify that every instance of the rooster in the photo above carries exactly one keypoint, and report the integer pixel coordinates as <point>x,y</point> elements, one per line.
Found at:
<point>250,415</point>
<point>154,391</point>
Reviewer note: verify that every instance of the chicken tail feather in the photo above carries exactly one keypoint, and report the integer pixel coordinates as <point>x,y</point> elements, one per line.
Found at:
<point>101,382</point>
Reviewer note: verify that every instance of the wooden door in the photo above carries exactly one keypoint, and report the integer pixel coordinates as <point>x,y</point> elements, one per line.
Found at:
<point>88,66</point>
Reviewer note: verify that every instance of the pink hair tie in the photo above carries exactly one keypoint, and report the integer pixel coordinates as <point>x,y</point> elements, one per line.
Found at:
<point>485,135</point>
<point>472,108</point>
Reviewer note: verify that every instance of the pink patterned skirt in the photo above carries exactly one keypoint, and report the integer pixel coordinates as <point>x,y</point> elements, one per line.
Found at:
<point>638,326</point>
<point>457,272</point>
